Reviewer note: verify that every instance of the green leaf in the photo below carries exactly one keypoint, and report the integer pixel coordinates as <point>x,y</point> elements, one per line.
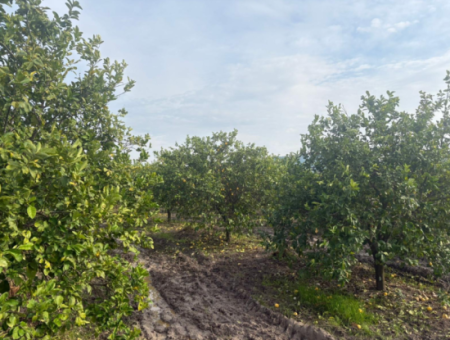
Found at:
<point>27,246</point>
<point>31,211</point>
<point>31,270</point>
<point>31,274</point>
<point>12,321</point>
<point>59,300</point>
<point>16,333</point>
<point>3,262</point>
<point>16,253</point>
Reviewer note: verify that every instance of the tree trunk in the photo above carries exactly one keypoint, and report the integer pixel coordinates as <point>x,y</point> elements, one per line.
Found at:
<point>379,276</point>
<point>228,236</point>
<point>379,267</point>
<point>169,216</point>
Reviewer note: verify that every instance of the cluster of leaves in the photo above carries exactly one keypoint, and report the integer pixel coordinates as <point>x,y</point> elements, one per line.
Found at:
<point>376,181</point>
<point>69,192</point>
<point>217,181</point>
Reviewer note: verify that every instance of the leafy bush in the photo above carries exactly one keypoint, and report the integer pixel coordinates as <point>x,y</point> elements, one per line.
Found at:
<point>218,181</point>
<point>69,192</point>
<point>374,180</point>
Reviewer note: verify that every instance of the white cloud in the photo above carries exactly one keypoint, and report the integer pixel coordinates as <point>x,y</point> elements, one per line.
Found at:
<point>377,26</point>
<point>272,101</point>
<point>376,23</point>
<point>403,24</point>
<point>265,66</point>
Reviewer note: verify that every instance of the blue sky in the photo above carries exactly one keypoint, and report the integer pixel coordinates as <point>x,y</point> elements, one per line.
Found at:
<point>265,67</point>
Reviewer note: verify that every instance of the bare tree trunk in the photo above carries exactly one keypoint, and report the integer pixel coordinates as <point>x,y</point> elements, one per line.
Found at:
<point>379,276</point>
<point>227,235</point>
<point>169,216</point>
<point>379,267</point>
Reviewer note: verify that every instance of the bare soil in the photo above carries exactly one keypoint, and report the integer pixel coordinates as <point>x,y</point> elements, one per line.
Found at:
<point>192,302</point>
<point>203,288</point>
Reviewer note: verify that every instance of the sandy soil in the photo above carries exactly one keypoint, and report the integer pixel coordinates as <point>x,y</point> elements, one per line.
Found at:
<point>193,302</point>
<point>209,291</point>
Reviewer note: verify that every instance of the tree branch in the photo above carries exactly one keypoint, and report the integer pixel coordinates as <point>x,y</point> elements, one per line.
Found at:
<point>6,119</point>
<point>7,50</point>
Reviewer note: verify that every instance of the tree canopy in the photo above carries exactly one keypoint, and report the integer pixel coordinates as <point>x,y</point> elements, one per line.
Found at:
<point>218,181</point>
<point>69,191</point>
<point>376,180</point>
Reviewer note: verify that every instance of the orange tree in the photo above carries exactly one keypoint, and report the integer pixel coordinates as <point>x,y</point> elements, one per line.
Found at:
<point>168,192</point>
<point>69,191</point>
<point>375,180</point>
<point>218,181</point>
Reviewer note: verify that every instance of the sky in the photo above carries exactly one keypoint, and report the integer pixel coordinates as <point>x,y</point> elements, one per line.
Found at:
<point>264,67</point>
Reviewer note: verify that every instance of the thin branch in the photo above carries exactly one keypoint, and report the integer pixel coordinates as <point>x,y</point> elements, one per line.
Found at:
<point>6,120</point>
<point>7,50</point>
<point>439,198</point>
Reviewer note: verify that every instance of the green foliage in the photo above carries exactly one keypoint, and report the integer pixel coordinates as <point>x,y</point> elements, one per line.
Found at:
<point>217,181</point>
<point>332,304</point>
<point>375,179</point>
<point>70,193</point>
<point>344,308</point>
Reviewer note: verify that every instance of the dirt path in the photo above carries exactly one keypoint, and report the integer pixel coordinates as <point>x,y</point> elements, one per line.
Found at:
<point>192,302</point>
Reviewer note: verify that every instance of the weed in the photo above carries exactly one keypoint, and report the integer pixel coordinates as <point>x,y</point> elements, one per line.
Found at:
<point>339,308</point>
<point>343,307</point>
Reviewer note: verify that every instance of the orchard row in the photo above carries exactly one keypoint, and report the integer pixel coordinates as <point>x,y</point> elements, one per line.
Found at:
<point>372,182</point>
<point>73,201</point>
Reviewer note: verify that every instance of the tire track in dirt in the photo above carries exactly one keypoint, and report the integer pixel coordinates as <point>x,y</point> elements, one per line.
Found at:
<point>191,302</point>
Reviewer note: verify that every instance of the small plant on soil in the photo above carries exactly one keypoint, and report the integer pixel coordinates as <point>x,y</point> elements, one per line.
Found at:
<point>338,307</point>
